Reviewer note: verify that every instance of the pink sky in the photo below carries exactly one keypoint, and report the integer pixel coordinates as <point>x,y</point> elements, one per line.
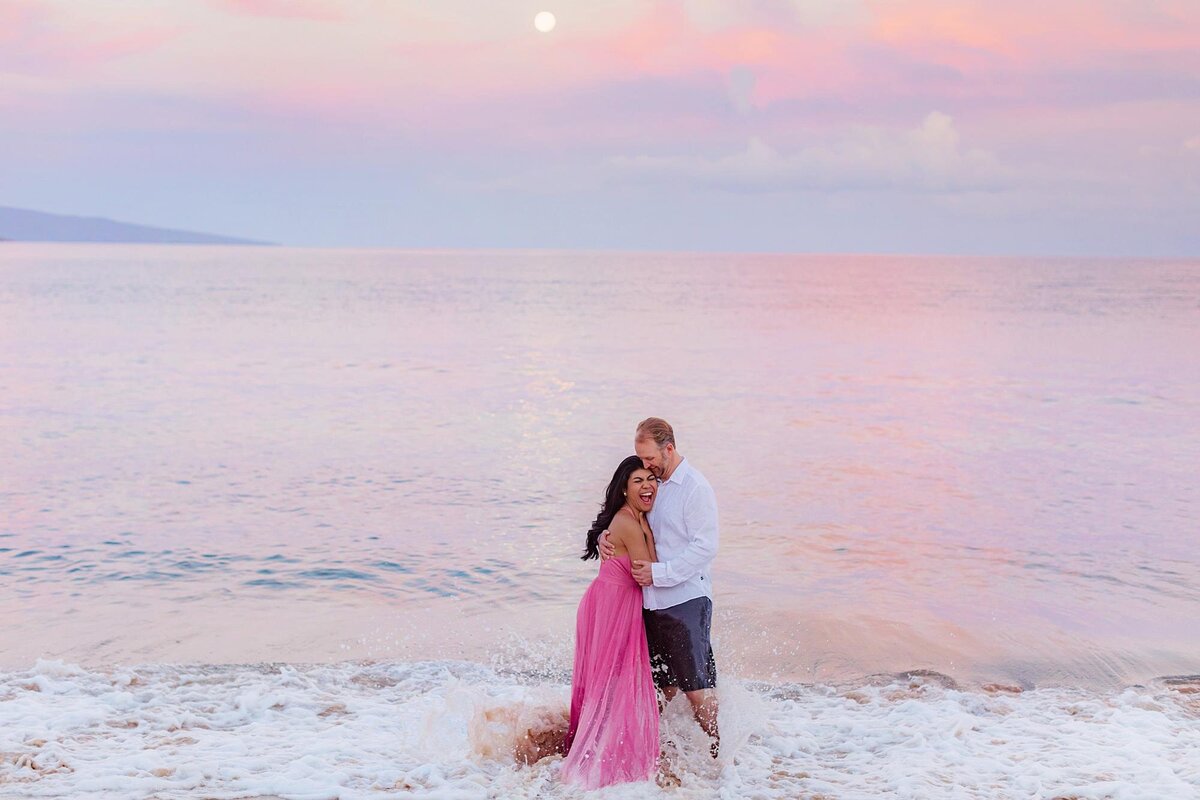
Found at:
<point>1036,124</point>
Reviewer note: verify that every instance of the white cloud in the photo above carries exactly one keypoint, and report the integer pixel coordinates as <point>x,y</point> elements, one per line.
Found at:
<point>722,14</point>
<point>928,158</point>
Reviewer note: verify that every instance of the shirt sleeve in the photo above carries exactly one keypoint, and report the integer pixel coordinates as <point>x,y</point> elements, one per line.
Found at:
<point>700,521</point>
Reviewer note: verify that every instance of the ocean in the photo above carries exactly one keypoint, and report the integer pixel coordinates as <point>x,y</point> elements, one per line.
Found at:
<point>307,523</point>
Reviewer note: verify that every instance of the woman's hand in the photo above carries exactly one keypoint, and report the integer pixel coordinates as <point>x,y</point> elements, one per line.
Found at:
<point>607,549</point>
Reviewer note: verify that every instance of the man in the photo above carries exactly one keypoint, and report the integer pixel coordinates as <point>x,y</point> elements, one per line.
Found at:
<point>677,589</point>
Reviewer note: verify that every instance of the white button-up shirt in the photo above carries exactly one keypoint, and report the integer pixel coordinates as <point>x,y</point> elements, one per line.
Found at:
<point>684,522</point>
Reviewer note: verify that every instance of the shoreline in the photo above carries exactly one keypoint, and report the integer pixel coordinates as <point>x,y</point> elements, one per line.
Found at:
<point>1184,682</point>
<point>826,647</point>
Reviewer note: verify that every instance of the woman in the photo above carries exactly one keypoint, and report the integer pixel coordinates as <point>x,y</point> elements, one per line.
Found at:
<point>613,734</point>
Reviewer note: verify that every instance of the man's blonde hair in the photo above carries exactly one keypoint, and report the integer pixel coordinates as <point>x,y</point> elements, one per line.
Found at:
<point>656,430</point>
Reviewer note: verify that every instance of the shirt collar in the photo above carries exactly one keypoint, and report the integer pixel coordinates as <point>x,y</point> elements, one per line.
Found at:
<point>677,475</point>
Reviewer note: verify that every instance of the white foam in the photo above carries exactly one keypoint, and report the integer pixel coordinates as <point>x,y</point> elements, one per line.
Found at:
<point>448,730</point>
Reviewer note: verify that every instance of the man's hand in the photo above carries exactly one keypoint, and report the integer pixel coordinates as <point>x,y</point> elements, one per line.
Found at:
<point>642,573</point>
<point>607,549</point>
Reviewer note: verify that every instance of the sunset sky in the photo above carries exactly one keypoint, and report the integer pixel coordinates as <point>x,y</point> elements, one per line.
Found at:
<point>973,126</point>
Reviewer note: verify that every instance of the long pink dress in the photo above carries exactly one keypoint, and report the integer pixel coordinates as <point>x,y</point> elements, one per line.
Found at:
<point>613,735</point>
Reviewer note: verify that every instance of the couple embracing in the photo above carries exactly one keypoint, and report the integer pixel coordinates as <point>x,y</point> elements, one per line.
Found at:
<point>645,620</point>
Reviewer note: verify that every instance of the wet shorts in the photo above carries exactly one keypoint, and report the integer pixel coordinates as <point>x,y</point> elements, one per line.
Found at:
<point>680,651</point>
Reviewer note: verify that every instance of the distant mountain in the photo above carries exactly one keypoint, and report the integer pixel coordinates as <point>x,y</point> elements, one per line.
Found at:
<point>18,224</point>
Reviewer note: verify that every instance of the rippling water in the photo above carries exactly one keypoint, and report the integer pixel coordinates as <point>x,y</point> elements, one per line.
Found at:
<point>984,467</point>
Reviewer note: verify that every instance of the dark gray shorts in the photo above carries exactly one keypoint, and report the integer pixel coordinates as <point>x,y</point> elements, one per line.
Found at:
<point>680,648</point>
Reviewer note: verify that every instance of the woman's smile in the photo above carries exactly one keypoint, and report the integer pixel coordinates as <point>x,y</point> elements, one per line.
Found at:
<point>647,498</point>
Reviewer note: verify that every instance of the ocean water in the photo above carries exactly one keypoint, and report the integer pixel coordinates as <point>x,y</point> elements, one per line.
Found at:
<point>306,523</point>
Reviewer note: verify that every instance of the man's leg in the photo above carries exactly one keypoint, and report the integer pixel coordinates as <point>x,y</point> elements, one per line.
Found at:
<point>680,643</point>
<point>665,695</point>
<point>660,666</point>
<point>666,768</point>
<point>704,709</point>
<point>682,633</point>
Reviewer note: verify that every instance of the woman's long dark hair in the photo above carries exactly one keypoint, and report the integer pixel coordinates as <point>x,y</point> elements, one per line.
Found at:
<point>614,498</point>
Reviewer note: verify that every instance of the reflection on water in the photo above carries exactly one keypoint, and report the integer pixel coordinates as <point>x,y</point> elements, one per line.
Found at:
<point>980,466</point>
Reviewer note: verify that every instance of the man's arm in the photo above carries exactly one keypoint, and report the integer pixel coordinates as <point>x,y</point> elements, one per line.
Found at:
<point>607,550</point>
<point>700,519</point>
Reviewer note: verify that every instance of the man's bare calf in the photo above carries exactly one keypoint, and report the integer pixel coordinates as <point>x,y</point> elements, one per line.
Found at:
<point>704,709</point>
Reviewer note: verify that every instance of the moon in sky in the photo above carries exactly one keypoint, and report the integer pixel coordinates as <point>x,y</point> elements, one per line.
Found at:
<point>544,22</point>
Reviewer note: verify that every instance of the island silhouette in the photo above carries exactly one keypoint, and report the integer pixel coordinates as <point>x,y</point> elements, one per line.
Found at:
<point>24,225</point>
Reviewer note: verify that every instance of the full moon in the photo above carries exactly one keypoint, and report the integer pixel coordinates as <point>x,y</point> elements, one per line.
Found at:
<point>544,22</point>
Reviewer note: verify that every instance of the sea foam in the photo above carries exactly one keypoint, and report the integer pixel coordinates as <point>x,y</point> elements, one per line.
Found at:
<point>450,729</point>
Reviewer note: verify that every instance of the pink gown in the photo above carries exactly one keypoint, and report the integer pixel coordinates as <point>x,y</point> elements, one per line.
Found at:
<point>613,735</point>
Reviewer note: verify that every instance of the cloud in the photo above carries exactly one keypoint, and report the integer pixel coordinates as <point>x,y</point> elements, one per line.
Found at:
<point>37,39</point>
<point>928,158</point>
<point>776,14</point>
<point>290,9</point>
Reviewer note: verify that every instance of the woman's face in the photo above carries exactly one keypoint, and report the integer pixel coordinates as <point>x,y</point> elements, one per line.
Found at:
<point>641,489</point>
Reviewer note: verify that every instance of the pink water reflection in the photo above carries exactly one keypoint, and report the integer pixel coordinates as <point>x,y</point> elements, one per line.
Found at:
<point>979,466</point>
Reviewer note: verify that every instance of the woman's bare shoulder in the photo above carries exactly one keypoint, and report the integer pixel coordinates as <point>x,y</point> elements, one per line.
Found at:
<point>624,525</point>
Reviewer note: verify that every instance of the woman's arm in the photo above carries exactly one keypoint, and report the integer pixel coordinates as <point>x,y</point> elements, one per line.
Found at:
<point>634,541</point>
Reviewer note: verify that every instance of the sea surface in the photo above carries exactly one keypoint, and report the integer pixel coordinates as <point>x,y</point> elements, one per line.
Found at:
<point>306,523</point>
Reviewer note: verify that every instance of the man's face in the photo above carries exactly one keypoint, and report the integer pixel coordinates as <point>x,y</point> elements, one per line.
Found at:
<point>653,457</point>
